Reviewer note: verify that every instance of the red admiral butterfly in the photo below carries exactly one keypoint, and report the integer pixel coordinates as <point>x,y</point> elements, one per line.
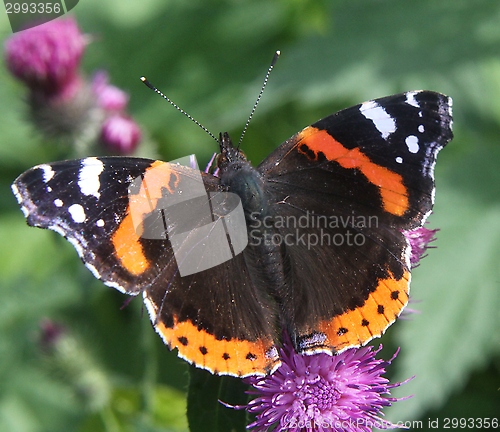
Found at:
<point>326,259</point>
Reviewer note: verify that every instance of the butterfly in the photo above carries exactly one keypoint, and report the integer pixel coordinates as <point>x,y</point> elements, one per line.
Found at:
<point>310,242</point>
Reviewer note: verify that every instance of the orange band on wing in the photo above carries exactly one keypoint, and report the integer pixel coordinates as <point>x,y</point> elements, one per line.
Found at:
<point>223,357</point>
<point>381,308</point>
<point>128,249</point>
<point>158,176</point>
<point>126,238</point>
<point>392,190</point>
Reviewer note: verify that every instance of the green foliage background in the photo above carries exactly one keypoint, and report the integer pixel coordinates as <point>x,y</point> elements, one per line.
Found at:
<point>110,371</point>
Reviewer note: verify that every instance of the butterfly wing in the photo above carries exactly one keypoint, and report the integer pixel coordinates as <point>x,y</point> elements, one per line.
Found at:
<point>356,180</point>
<point>121,214</point>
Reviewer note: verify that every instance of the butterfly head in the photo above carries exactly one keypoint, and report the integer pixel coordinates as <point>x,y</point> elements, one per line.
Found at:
<point>229,154</point>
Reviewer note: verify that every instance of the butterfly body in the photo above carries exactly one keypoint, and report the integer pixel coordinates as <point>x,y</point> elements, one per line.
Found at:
<point>321,253</point>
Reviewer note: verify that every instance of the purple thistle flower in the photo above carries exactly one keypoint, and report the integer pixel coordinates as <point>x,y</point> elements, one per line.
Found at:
<point>344,392</point>
<point>109,97</point>
<point>419,241</point>
<point>120,134</point>
<point>46,58</point>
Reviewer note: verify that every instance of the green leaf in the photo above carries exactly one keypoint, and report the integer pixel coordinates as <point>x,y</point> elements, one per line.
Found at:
<point>205,410</point>
<point>457,286</point>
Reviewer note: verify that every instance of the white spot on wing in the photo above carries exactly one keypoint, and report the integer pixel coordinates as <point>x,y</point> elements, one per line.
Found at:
<point>449,118</point>
<point>407,258</point>
<point>48,172</point>
<point>77,213</point>
<point>150,307</point>
<point>410,99</point>
<point>384,123</point>
<point>399,159</point>
<point>412,144</point>
<point>421,128</point>
<point>431,153</point>
<point>17,194</point>
<point>88,179</point>
<point>93,270</point>
<point>117,287</point>
<point>100,223</point>
<point>425,216</point>
<point>76,244</point>
<point>58,203</point>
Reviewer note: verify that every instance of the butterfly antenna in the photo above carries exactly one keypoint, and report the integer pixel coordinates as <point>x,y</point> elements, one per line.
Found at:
<point>266,78</point>
<point>177,107</point>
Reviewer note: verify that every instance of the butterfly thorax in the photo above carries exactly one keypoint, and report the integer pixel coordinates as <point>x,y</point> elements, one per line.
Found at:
<point>240,177</point>
<point>263,255</point>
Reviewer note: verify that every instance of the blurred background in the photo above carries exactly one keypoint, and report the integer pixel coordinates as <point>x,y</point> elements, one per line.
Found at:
<point>72,359</point>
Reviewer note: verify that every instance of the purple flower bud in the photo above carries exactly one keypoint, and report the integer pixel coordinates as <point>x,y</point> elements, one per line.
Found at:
<point>120,134</point>
<point>109,97</point>
<point>51,333</point>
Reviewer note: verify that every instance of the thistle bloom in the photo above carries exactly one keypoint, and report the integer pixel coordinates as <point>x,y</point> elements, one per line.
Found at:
<point>345,392</point>
<point>63,105</point>
<point>47,57</point>
<point>419,241</point>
